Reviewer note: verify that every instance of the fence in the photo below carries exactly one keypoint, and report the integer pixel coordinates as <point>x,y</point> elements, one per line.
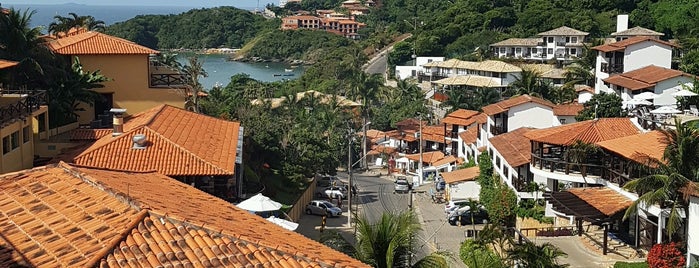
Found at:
<point>26,103</point>
<point>300,204</point>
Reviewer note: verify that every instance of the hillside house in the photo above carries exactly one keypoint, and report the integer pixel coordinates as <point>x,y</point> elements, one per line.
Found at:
<point>563,44</point>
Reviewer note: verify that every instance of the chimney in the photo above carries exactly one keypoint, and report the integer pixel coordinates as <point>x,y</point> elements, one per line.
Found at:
<point>622,23</point>
<point>118,121</point>
<point>139,141</point>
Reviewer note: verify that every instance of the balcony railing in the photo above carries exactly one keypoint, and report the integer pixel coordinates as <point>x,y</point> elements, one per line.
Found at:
<point>612,68</point>
<point>167,80</point>
<point>497,130</point>
<point>556,164</point>
<point>560,44</point>
<point>26,103</point>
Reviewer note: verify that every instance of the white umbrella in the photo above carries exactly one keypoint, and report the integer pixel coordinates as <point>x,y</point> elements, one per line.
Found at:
<point>646,96</point>
<point>291,226</point>
<point>666,110</point>
<point>260,203</point>
<point>684,93</point>
<point>638,102</point>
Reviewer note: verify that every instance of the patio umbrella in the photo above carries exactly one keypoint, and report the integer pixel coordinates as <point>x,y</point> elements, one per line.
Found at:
<point>289,225</point>
<point>684,93</point>
<point>259,203</point>
<point>638,102</point>
<point>666,110</point>
<point>646,96</point>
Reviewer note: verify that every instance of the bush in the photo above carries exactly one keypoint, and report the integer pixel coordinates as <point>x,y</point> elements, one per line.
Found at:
<point>665,256</point>
<point>527,208</point>
<point>474,254</point>
<point>630,265</point>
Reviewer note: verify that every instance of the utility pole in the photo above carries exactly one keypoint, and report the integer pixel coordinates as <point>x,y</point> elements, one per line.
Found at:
<point>365,164</point>
<point>349,174</point>
<point>420,174</point>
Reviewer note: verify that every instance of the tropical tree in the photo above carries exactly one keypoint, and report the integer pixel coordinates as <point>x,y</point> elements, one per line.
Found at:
<point>64,24</point>
<point>601,105</point>
<point>579,154</point>
<point>677,167</point>
<point>530,255</point>
<point>193,88</point>
<point>388,242</point>
<point>72,90</point>
<point>529,82</point>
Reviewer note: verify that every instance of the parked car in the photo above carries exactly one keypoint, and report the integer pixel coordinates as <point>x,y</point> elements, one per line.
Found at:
<point>401,186</point>
<point>453,205</point>
<point>327,181</point>
<point>320,207</point>
<point>464,217</point>
<point>332,192</point>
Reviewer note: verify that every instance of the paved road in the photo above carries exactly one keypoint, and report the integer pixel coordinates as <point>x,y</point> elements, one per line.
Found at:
<point>378,64</point>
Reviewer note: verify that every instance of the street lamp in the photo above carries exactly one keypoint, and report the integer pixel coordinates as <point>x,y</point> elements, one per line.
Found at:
<point>349,167</point>
<point>364,141</point>
<point>420,174</point>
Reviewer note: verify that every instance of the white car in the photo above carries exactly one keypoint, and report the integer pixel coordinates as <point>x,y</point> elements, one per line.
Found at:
<point>320,207</point>
<point>453,205</point>
<point>332,192</point>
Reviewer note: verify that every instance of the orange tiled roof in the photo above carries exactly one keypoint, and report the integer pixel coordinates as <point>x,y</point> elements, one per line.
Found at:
<point>645,77</point>
<point>567,109</point>
<point>505,105</point>
<point>606,200</point>
<point>638,147</point>
<point>179,142</point>
<point>433,133</point>
<point>459,117</point>
<point>95,43</point>
<point>447,160</point>
<point>89,134</point>
<point>381,149</point>
<point>590,131</point>
<point>470,135</point>
<point>75,217</point>
<point>514,146</point>
<point>466,174</point>
<point>581,88</point>
<point>396,134</point>
<point>7,64</point>
<point>410,123</point>
<point>691,189</point>
<point>621,45</point>
<point>427,157</point>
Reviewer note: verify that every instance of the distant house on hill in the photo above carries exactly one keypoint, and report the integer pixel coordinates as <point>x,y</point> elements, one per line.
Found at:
<point>562,43</point>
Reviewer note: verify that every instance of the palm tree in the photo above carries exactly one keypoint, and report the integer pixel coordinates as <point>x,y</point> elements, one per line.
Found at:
<point>529,82</point>
<point>72,90</point>
<point>484,97</point>
<point>192,87</point>
<point>579,154</point>
<point>456,99</point>
<point>65,24</point>
<point>388,242</point>
<point>667,176</point>
<point>532,255</point>
<point>19,42</point>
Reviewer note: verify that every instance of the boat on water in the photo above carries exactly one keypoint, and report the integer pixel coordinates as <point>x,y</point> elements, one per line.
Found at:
<point>288,74</point>
<point>277,74</point>
<point>288,70</point>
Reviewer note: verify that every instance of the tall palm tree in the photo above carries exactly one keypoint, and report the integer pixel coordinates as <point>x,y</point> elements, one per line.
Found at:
<point>65,24</point>
<point>529,82</point>
<point>193,70</point>
<point>22,43</point>
<point>528,255</point>
<point>668,175</point>
<point>387,243</point>
<point>484,97</point>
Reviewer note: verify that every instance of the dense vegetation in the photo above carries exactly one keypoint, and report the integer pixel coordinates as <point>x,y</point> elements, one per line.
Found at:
<point>307,45</point>
<point>197,28</point>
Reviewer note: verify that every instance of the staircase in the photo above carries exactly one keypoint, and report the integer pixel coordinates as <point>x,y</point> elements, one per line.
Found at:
<point>595,238</point>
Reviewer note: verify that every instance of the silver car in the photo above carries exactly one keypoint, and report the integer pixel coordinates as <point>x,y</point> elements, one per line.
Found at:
<point>320,207</point>
<point>401,186</point>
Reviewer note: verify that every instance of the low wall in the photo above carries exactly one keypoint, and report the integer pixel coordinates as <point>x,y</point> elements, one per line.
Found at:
<point>300,204</point>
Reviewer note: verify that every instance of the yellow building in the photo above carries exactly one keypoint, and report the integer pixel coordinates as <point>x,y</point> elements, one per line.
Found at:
<point>23,115</point>
<point>136,84</point>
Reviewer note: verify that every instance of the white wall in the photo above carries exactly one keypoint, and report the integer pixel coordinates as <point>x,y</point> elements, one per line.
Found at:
<point>403,72</point>
<point>584,96</point>
<point>693,233</point>
<point>529,115</point>
<point>509,78</point>
<point>646,53</point>
<point>667,87</point>
<point>464,190</point>
<point>599,75</point>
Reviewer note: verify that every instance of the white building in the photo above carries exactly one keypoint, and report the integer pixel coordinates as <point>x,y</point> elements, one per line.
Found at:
<point>511,154</point>
<point>628,55</point>
<point>453,72</point>
<point>461,184</point>
<point>563,43</point>
<point>659,80</point>
<point>623,32</point>
<point>461,128</point>
<point>516,112</point>
<point>403,72</point>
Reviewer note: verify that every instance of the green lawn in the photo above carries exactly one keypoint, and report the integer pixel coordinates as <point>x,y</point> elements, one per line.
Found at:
<point>630,265</point>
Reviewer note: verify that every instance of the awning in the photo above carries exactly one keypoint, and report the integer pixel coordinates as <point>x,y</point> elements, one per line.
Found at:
<point>595,204</point>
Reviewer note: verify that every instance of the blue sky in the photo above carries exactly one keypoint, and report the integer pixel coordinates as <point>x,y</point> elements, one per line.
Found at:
<point>186,3</point>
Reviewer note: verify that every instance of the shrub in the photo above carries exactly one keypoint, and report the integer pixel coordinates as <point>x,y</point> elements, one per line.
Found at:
<point>630,265</point>
<point>665,256</point>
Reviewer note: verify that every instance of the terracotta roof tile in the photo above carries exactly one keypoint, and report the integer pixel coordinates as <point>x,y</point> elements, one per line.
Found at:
<point>637,31</point>
<point>505,105</point>
<point>466,174</point>
<point>179,142</point>
<point>567,109</point>
<point>470,135</point>
<point>621,45</point>
<point>580,88</point>
<point>606,200</point>
<point>514,146</point>
<point>563,30</point>
<point>427,157</point>
<point>66,216</point>
<point>95,43</point>
<point>89,134</point>
<point>433,133</point>
<point>691,189</point>
<point>590,131</point>
<point>638,147</point>
<point>527,42</point>
<point>645,77</point>
<point>7,64</point>
<point>382,149</point>
<point>460,117</point>
<point>446,160</point>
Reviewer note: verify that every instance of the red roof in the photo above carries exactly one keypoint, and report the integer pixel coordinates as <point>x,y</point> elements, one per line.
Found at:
<point>606,200</point>
<point>568,109</point>
<point>645,77</point>
<point>179,142</point>
<point>95,43</point>
<point>621,45</point>
<point>427,157</point>
<point>514,146</point>
<point>590,131</point>
<point>459,117</point>
<point>460,175</point>
<point>470,135</point>
<point>505,105</point>
<point>7,64</point>
<point>63,216</point>
<point>639,147</point>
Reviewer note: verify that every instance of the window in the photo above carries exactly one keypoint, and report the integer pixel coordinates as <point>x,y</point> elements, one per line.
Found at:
<point>6,144</point>
<point>549,51</point>
<point>573,39</point>
<point>26,134</point>
<point>562,120</point>
<point>518,50</point>
<point>503,50</point>
<point>550,39</point>
<point>574,51</point>
<point>567,39</point>
<point>506,172</point>
<point>14,138</point>
<point>497,162</point>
